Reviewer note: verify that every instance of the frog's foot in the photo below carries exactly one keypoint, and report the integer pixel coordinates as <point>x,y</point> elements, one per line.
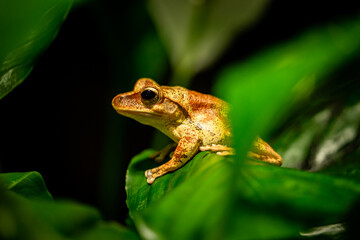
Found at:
<point>161,155</point>
<point>149,176</point>
<point>219,149</point>
<point>173,164</point>
<point>152,174</point>
<point>185,150</point>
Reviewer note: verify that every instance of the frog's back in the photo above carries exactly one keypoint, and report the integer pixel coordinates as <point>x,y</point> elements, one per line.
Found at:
<point>206,107</point>
<point>209,114</point>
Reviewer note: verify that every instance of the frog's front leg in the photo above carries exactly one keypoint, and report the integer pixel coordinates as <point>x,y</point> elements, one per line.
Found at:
<point>187,147</point>
<point>160,156</point>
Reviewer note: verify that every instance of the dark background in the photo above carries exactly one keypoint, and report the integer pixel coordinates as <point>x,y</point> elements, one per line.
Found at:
<point>60,122</point>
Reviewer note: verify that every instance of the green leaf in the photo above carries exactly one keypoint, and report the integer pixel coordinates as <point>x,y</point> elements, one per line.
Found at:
<point>173,198</point>
<point>261,89</point>
<point>79,221</point>
<point>39,219</point>
<point>203,200</point>
<point>295,144</point>
<point>27,213</point>
<point>26,29</point>
<point>109,231</point>
<point>28,184</point>
<point>140,194</point>
<point>30,199</point>
<point>196,32</point>
<point>301,193</point>
<point>66,217</point>
<point>18,220</point>
<point>348,167</point>
<point>322,138</point>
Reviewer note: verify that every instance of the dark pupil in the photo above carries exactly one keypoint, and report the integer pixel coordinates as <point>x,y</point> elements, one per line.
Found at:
<point>148,94</point>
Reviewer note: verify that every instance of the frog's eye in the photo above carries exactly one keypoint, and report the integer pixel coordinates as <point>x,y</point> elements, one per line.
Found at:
<point>150,95</point>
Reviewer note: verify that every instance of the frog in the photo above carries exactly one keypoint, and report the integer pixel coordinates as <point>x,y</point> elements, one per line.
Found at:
<point>194,121</point>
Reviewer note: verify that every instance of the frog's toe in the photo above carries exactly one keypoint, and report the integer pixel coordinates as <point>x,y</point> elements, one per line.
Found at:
<point>225,153</point>
<point>148,173</point>
<point>149,176</point>
<point>150,180</point>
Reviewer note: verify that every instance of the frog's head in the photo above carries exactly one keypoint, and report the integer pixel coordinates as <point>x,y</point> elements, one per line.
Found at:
<point>147,104</point>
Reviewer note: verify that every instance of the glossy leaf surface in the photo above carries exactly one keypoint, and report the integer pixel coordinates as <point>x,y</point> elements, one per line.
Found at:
<point>271,202</point>
<point>27,28</point>
<point>28,184</point>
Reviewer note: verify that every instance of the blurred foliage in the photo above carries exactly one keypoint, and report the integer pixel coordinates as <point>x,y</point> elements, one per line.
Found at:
<point>27,27</point>
<point>268,84</point>
<point>324,139</point>
<point>211,197</point>
<point>28,212</point>
<point>196,32</point>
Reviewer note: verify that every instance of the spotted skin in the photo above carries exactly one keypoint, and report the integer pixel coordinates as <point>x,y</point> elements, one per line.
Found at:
<point>193,120</point>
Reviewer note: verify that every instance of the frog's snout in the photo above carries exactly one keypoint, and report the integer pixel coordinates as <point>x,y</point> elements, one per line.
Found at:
<point>116,101</point>
<point>120,100</point>
<point>124,101</point>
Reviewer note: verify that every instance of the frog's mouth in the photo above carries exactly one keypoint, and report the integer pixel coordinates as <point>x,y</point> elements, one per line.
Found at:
<point>134,113</point>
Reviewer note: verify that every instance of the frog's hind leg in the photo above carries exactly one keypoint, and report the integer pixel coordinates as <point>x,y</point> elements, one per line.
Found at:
<point>219,149</point>
<point>262,151</point>
<point>160,156</point>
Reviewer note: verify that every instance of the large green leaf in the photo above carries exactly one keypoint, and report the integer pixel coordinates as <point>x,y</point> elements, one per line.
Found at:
<point>27,27</point>
<point>178,204</point>
<point>28,184</point>
<point>140,194</point>
<point>196,201</point>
